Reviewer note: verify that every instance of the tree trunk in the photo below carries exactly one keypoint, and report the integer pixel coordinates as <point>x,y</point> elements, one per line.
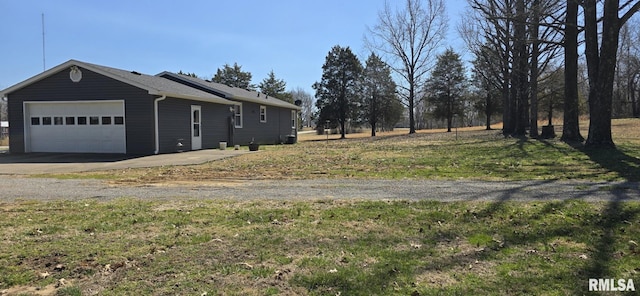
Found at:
<point>508,113</point>
<point>507,123</point>
<point>571,127</point>
<point>373,116</point>
<point>535,53</point>
<point>632,93</point>
<point>601,70</point>
<point>520,68</point>
<point>412,121</point>
<point>487,110</point>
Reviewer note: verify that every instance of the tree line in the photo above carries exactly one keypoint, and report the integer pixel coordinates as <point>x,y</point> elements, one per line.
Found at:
<point>526,62</point>
<point>531,60</point>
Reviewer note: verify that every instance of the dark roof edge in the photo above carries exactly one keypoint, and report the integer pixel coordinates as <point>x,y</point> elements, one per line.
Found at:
<point>69,64</point>
<point>229,95</point>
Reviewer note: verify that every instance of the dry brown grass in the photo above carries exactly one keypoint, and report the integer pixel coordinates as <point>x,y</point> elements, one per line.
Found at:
<point>472,153</point>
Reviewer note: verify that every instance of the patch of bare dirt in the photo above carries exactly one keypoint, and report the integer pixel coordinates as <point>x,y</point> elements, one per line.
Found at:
<point>49,290</point>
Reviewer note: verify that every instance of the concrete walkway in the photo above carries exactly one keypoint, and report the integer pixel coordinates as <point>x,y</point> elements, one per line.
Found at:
<point>52,163</point>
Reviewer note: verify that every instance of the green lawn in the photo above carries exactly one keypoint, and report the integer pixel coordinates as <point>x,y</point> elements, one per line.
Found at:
<point>336,247</point>
<point>323,247</point>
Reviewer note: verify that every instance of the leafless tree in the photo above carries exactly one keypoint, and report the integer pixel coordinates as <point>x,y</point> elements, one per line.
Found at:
<point>570,127</point>
<point>601,48</point>
<point>520,38</point>
<point>307,105</point>
<point>488,34</point>
<point>626,71</point>
<point>407,38</point>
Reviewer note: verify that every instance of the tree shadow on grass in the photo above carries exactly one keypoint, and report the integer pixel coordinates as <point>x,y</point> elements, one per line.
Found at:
<point>521,240</point>
<point>615,160</point>
<point>614,217</point>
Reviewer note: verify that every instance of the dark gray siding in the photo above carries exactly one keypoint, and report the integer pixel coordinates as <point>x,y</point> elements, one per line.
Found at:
<point>93,86</point>
<point>274,131</point>
<point>175,123</point>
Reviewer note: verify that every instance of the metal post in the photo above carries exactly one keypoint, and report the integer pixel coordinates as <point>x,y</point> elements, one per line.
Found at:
<point>326,130</point>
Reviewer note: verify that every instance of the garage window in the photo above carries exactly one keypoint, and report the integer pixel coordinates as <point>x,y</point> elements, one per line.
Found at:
<point>106,120</point>
<point>82,120</point>
<point>94,120</point>
<point>70,120</point>
<point>35,120</point>
<point>46,120</point>
<point>118,120</point>
<point>57,120</point>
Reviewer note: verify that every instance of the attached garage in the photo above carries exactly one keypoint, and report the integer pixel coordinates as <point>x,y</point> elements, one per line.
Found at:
<point>80,126</point>
<point>77,107</point>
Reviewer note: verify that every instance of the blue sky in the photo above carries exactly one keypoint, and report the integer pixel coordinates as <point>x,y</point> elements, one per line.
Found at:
<point>290,37</point>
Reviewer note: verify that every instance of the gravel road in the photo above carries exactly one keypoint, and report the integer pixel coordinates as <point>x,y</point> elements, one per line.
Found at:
<point>21,188</point>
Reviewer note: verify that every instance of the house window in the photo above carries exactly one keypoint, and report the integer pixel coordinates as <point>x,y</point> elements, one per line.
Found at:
<point>263,113</point>
<point>237,115</point>
<point>35,120</point>
<point>294,118</point>
<point>106,120</point>
<point>46,120</point>
<point>82,120</point>
<point>94,120</point>
<point>57,120</point>
<point>70,120</point>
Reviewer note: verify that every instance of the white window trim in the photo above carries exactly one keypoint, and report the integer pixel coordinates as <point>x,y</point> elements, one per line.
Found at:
<point>294,119</point>
<point>263,111</point>
<point>236,115</point>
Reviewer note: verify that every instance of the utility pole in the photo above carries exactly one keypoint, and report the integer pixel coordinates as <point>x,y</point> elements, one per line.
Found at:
<point>44,65</point>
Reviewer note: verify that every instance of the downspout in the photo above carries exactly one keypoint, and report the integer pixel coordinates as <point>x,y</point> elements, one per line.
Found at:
<point>157,123</point>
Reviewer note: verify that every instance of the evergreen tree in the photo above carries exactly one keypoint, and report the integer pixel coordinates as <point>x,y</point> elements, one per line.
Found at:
<point>233,76</point>
<point>380,104</point>
<point>446,86</point>
<point>274,87</point>
<point>188,74</point>
<point>338,91</point>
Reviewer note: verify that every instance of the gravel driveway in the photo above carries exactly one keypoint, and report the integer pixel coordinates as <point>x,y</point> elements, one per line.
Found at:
<point>21,188</point>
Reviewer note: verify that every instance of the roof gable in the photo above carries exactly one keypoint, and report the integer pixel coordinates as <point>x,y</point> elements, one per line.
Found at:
<point>230,92</point>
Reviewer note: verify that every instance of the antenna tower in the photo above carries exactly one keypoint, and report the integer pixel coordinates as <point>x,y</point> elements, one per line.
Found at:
<point>44,64</point>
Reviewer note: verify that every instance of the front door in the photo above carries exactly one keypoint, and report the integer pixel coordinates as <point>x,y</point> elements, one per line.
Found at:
<point>196,127</point>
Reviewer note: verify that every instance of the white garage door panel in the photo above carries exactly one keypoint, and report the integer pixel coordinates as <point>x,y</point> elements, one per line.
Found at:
<point>100,138</point>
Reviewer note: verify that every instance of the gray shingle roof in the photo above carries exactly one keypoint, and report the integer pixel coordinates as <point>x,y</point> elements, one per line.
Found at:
<point>234,93</point>
<point>154,85</point>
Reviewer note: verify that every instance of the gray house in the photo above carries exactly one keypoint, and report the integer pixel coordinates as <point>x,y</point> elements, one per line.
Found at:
<point>82,107</point>
<point>257,117</point>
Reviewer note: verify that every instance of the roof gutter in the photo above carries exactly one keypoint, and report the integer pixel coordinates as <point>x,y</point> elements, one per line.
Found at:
<point>157,122</point>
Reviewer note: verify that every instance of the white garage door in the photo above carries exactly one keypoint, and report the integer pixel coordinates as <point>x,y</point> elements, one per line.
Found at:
<point>87,126</point>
